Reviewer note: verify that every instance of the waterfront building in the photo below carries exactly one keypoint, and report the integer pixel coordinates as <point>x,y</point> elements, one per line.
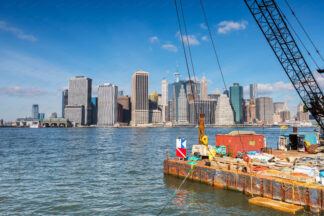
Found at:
<point>182,107</point>
<point>253,91</point>
<point>79,100</point>
<point>264,110</point>
<point>236,96</point>
<point>206,107</point>
<point>75,114</point>
<point>280,106</point>
<point>124,103</point>
<point>217,92</point>
<point>94,104</point>
<point>164,101</point>
<point>155,116</point>
<point>1,123</point>
<point>35,111</point>
<point>192,86</point>
<point>65,97</point>
<point>284,115</point>
<point>107,105</point>
<point>140,102</point>
<point>301,115</point>
<point>41,116</point>
<point>204,89</point>
<point>224,114</point>
<point>53,115</point>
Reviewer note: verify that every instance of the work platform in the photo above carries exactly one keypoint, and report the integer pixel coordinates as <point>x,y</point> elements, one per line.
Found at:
<point>309,195</point>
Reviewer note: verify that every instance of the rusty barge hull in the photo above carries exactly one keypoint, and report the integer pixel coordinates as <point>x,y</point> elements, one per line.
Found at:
<point>310,196</point>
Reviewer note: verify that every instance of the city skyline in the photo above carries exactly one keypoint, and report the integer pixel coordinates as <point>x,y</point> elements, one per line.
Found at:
<point>41,52</point>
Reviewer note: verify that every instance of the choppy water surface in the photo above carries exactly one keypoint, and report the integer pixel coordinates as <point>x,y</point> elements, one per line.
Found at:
<point>95,171</point>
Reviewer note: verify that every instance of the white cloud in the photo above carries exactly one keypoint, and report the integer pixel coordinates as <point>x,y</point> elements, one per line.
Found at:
<point>204,38</point>
<point>203,26</point>
<point>21,92</point>
<point>225,26</point>
<point>192,39</point>
<point>16,31</point>
<point>320,79</point>
<point>154,39</point>
<point>170,47</point>
<point>268,88</point>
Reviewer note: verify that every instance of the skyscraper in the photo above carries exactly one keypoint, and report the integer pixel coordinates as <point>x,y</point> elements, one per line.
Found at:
<point>182,106</point>
<point>224,114</point>
<point>253,91</point>
<point>107,105</point>
<point>236,96</point>
<point>94,104</point>
<point>140,103</point>
<point>206,107</point>
<point>164,99</point>
<point>301,115</point>
<point>64,100</point>
<point>125,104</point>
<point>204,90</point>
<point>79,106</point>
<point>264,110</point>
<point>35,111</point>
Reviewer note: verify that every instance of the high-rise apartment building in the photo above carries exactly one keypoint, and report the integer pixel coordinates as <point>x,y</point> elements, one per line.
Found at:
<point>301,115</point>
<point>140,103</point>
<point>279,106</point>
<point>107,105</point>
<point>65,97</point>
<point>204,89</point>
<point>164,101</point>
<point>264,110</point>
<point>253,91</point>
<point>35,111</point>
<point>236,96</point>
<point>206,107</point>
<point>79,106</point>
<point>125,104</point>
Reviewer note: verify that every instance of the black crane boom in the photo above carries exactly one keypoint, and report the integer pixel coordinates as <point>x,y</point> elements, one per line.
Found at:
<point>273,26</point>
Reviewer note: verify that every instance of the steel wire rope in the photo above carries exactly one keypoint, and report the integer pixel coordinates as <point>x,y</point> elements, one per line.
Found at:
<point>304,30</point>
<point>299,38</point>
<point>184,48</point>
<point>218,61</point>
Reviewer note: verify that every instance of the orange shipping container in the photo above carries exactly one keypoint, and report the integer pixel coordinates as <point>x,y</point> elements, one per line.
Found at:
<point>240,143</point>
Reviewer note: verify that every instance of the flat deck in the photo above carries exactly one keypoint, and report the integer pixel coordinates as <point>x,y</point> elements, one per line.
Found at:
<point>308,195</point>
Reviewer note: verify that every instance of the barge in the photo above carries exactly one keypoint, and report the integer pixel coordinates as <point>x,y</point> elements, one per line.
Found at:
<point>240,161</point>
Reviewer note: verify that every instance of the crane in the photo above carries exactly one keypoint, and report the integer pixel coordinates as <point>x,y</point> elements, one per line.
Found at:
<point>274,27</point>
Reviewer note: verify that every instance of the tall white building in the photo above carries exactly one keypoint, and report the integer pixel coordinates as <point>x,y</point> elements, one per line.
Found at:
<point>224,114</point>
<point>253,91</point>
<point>79,106</point>
<point>107,105</point>
<point>164,102</point>
<point>204,89</point>
<point>140,102</point>
<point>183,106</point>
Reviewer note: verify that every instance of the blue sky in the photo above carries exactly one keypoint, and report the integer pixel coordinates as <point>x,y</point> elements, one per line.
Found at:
<point>44,43</point>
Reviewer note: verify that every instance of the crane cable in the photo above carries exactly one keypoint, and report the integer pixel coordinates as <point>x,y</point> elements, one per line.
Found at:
<point>219,66</point>
<point>212,40</point>
<point>300,24</point>
<point>298,37</point>
<point>193,90</point>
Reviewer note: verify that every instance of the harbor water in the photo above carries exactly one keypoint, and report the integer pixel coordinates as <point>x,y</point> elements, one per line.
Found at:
<point>108,171</point>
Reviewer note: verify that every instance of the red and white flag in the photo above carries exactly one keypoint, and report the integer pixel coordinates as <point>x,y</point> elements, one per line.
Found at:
<point>181,148</point>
